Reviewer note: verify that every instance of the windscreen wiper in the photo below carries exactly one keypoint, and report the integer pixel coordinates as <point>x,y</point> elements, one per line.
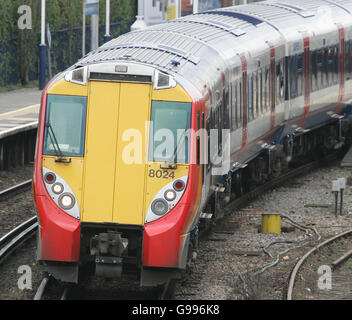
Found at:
<point>171,163</point>
<point>59,156</point>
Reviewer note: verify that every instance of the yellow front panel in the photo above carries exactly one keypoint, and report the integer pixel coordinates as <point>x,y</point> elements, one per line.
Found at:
<point>100,156</point>
<point>68,89</point>
<point>134,112</point>
<point>173,94</point>
<point>116,185</point>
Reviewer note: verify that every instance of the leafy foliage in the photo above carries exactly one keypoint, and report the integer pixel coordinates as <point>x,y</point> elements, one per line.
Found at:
<point>19,48</point>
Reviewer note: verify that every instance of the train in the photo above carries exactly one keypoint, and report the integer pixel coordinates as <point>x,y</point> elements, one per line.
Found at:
<point>142,142</point>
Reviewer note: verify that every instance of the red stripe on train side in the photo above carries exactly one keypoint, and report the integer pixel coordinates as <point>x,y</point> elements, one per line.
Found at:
<point>223,79</point>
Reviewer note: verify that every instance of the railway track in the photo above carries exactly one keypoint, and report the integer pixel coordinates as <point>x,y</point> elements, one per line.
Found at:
<point>12,191</point>
<point>61,293</point>
<point>12,240</point>
<point>167,292</point>
<point>332,261</point>
<point>50,289</point>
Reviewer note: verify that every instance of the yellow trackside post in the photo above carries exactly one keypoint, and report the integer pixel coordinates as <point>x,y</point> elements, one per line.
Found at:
<point>271,223</point>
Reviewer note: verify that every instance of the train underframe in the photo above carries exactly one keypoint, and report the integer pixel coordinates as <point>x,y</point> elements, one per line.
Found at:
<point>294,150</point>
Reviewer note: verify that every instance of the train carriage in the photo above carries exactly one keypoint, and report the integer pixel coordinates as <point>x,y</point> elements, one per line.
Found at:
<point>152,133</point>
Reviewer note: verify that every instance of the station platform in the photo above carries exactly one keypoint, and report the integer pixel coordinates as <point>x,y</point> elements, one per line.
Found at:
<point>19,109</point>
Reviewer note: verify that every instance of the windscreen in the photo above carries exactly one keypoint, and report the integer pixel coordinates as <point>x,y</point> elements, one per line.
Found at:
<point>169,136</point>
<point>65,125</point>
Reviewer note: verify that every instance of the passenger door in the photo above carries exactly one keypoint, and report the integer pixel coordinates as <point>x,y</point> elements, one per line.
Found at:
<point>114,173</point>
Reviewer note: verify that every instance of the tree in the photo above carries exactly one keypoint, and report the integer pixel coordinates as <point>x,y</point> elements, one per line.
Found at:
<point>19,48</point>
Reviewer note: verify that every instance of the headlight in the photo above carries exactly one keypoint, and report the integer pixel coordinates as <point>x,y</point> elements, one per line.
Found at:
<point>50,177</point>
<point>165,201</point>
<point>61,193</point>
<point>57,188</point>
<point>66,201</point>
<point>159,207</point>
<point>170,195</point>
<point>179,185</point>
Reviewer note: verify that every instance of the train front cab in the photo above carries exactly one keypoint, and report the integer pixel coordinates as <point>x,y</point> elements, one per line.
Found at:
<point>130,210</point>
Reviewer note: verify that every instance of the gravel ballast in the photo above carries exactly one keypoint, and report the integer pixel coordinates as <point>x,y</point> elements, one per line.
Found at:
<point>229,268</point>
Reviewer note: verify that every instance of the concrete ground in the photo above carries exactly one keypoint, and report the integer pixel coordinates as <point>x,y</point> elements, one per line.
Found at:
<point>18,108</point>
<point>17,99</point>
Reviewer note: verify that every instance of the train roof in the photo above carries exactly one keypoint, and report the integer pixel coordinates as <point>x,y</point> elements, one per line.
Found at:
<point>181,44</point>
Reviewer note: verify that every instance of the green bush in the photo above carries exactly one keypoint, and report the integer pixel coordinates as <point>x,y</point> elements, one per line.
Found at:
<point>19,48</point>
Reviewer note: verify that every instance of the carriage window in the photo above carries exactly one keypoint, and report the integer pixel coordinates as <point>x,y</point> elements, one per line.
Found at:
<point>321,70</point>
<point>330,66</point>
<point>348,59</point>
<point>260,91</point>
<point>219,127</point>
<point>336,65</point>
<point>266,89</point>
<point>226,108</point>
<point>250,98</point>
<point>280,82</point>
<point>299,75</point>
<point>65,125</point>
<point>314,78</point>
<point>239,105</point>
<point>293,77</point>
<point>326,69</point>
<point>234,115</point>
<point>255,96</point>
<point>169,140</point>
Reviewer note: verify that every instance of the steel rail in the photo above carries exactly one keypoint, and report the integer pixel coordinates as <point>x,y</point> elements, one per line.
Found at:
<point>64,294</point>
<point>47,281</point>
<point>24,231</point>
<point>5,194</point>
<point>10,241</point>
<point>167,290</point>
<point>40,292</point>
<point>341,259</point>
<point>304,258</point>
